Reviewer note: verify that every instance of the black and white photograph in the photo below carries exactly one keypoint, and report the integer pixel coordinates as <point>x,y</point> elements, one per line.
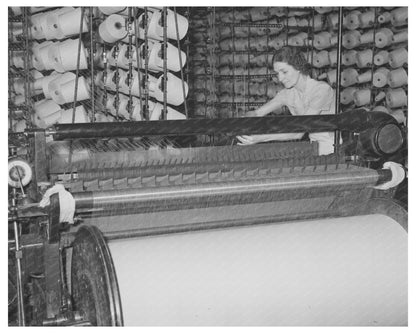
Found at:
<point>208,166</point>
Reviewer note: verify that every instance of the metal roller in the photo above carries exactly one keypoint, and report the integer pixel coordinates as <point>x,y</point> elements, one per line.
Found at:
<point>355,121</point>
<point>345,271</point>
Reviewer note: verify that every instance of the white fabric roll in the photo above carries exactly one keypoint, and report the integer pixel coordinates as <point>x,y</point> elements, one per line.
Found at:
<point>346,271</point>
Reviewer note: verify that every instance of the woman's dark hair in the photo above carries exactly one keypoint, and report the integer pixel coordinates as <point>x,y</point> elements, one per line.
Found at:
<point>294,57</point>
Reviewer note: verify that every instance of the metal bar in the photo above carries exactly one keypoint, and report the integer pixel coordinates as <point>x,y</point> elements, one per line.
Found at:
<point>19,284</point>
<point>338,87</point>
<point>130,61</point>
<point>354,121</point>
<point>138,60</point>
<point>180,61</point>
<point>165,63</point>
<point>92,53</point>
<point>146,115</point>
<point>78,62</point>
<point>227,193</point>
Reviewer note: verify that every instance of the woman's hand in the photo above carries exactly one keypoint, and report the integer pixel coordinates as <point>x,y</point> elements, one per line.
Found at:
<point>249,139</point>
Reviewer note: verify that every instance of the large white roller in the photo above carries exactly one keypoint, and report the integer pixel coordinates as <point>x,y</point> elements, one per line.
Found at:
<point>340,271</point>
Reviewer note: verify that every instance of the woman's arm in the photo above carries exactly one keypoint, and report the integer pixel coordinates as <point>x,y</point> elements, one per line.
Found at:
<point>273,105</point>
<point>252,139</point>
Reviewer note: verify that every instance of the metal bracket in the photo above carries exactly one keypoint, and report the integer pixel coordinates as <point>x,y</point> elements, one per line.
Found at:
<point>54,212</point>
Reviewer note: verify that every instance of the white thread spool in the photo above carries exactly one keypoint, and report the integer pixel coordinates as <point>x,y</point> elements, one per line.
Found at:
<point>50,22</point>
<point>347,95</point>
<point>113,28</point>
<point>156,112</point>
<point>380,77</point>
<point>384,17</point>
<point>17,60</point>
<point>380,96</point>
<point>123,82</point>
<point>156,57</point>
<point>136,114</point>
<point>38,77</point>
<point>362,97</point>
<point>400,37</point>
<point>364,77</point>
<point>111,79</point>
<point>322,40</point>
<point>18,100</point>
<point>367,18</point>
<point>81,116</point>
<point>35,30</point>
<point>333,57</point>
<point>398,57</point>
<point>298,39</point>
<point>36,60</point>
<point>292,22</point>
<point>396,98</point>
<point>351,20</point>
<point>399,115</point>
<point>66,92</point>
<point>155,30</point>
<point>51,119</point>
<point>349,76</point>
<point>65,55</point>
<point>18,126</point>
<point>138,79</point>
<point>323,10</point>
<point>399,16</point>
<point>381,58</point>
<point>317,23</point>
<point>40,56</point>
<point>123,107</point>
<point>123,57</point>
<point>66,24</point>
<point>111,10</point>
<point>279,42</point>
<point>45,83</point>
<point>111,56</point>
<point>367,37</point>
<point>332,21</point>
<point>351,39</point>
<point>174,90</point>
<point>172,114</point>
<point>47,113</point>
<point>331,76</point>
<point>364,58</point>
<point>383,38</point>
<point>397,78</point>
<point>55,83</point>
<point>320,59</point>
<point>349,58</point>
<point>258,14</point>
<point>110,104</point>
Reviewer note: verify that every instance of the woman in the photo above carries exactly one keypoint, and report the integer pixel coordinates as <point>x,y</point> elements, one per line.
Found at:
<point>301,94</point>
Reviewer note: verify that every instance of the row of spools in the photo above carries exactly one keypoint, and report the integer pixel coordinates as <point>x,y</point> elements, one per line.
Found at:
<point>375,78</point>
<point>54,50</point>
<point>385,53</point>
<point>122,54</point>
<point>354,17</point>
<point>52,59</point>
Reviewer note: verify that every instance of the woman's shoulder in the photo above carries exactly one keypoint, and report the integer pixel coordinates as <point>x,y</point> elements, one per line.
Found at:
<point>317,86</point>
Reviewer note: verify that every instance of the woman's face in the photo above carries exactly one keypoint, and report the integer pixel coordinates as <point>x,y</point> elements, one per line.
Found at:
<point>286,73</point>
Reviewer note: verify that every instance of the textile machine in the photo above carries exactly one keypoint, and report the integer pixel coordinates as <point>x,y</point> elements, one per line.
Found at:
<point>166,233</point>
